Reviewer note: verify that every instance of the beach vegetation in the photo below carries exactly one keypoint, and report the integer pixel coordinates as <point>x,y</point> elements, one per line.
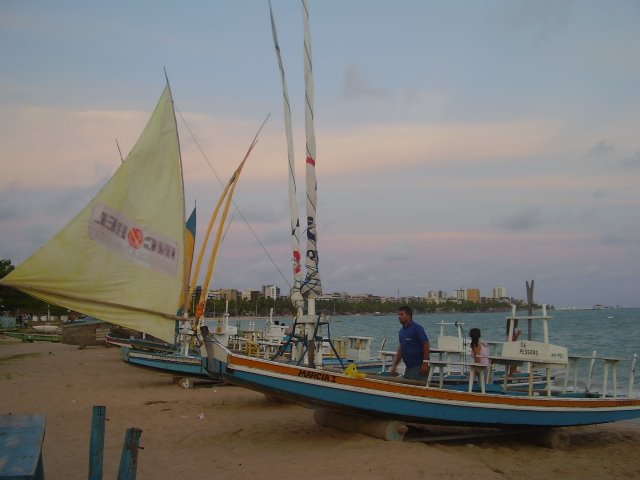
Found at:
<point>15,302</point>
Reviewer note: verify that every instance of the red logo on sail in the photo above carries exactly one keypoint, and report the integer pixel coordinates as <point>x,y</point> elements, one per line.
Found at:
<point>296,262</point>
<point>135,237</point>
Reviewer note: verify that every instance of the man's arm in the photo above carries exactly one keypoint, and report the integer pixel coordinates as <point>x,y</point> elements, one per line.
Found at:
<point>396,360</point>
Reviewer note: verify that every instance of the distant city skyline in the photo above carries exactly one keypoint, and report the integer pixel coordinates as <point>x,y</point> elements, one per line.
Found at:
<point>273,291</point>
<point>496,293</point>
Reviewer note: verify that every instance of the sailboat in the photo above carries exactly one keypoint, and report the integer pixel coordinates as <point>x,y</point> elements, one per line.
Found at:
<point>301,377</point>
<point>122,258</point>
<point>126,257</point>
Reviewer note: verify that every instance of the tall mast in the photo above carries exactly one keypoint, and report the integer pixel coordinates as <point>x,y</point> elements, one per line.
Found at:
<point>312,286</point>
<point>296,295</point>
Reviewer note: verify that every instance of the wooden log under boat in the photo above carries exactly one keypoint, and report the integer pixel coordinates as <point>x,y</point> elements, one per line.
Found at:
<point>389,430</point>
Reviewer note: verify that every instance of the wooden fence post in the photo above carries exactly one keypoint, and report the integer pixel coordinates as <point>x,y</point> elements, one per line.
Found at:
<point>129,458</point>
<point>96,445</point>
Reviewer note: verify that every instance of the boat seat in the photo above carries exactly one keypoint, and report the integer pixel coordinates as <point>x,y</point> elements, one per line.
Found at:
<point>474,368</point>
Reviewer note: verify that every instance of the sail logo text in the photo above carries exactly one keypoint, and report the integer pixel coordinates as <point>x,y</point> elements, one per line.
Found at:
<point>135,236</point>
<point>115,231</point>
<point>325,377</point>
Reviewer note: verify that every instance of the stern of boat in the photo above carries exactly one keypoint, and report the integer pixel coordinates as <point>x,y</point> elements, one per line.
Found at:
<point>217,354</point>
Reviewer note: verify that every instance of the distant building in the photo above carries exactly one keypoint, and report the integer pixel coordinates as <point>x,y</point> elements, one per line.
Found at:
<point>270,291</point>
<point>230,295</point>
<point>336,296</point>
<point>499,292</point>
<point>460,294</point>
<point>196,292</point>
<point>214,295</point>
<point>473,295</point>
<point>251,295</point>
<point>224,294</point>
<point>364,298</point>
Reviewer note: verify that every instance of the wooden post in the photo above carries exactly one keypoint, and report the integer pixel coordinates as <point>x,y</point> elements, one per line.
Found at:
<point>96,444</point>
<point>129,458</point>
<point>529,307</point>
<point>632,374</point>
<point>590,375</point>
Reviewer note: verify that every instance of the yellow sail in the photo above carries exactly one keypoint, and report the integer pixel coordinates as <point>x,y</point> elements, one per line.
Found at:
<point>189,248</point>
<point>121,259</point>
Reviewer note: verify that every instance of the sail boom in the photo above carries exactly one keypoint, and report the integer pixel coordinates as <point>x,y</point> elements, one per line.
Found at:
<point>62,300</point>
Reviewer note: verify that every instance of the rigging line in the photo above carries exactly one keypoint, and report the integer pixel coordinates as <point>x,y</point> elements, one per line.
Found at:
<point>226,230</point>
<point>244,219</point>
<point>119,151</point>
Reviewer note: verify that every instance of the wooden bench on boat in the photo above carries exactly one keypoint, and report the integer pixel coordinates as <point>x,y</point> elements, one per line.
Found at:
<point>480,368</point>
<point>443,356</point>
<point>572,370</point>
<point>442,365</point>
<point>531,367</point>
<point>255,347</point>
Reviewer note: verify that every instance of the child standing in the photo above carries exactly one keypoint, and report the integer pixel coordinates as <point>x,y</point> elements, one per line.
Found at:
<point>478,349</point>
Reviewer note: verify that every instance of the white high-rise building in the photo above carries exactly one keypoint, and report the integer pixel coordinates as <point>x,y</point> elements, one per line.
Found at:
<point>270,291</point>
<point>460,294</point>
<point>499,292</point>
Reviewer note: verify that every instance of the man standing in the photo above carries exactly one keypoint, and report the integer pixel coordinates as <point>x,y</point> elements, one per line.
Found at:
<point>414,347</point>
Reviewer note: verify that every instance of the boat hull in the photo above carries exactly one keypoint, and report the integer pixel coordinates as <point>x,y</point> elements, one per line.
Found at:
<point>412,403</point>
<point>34,337</point>
<point>171,363</point>
<point>139,344</point>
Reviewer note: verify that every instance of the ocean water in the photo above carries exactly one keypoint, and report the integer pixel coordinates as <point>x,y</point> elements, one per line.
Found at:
<point>610,332</point>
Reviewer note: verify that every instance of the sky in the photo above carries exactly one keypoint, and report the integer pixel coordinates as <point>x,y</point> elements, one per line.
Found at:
<point>459,144</point>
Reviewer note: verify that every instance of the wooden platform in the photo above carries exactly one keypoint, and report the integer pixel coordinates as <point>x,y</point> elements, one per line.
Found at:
<point>21,438</point>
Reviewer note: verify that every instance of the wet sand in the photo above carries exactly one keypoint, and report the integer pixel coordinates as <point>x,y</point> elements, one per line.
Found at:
<point>228,432</point>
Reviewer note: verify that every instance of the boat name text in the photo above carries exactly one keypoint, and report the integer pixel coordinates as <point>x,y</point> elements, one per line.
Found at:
<point>325,377</point>
<point>528,351</point>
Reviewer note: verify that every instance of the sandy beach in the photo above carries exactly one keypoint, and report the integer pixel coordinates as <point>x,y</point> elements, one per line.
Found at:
<point>227,432</point>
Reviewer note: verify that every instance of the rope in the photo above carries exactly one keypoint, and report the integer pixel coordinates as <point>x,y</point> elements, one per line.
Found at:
<point>233,202</point>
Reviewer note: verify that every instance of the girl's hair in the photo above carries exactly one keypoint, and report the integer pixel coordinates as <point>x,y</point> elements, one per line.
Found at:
<point>474,333</point>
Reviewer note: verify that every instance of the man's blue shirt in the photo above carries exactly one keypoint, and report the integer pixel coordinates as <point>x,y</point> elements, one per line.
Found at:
<point>412,339</point>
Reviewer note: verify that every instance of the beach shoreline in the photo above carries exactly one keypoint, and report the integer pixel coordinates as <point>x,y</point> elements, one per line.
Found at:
<point>223,431</point>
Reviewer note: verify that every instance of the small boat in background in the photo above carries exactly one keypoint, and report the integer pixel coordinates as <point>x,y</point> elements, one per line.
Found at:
<point>34,336</point>
<point>47,328</point>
